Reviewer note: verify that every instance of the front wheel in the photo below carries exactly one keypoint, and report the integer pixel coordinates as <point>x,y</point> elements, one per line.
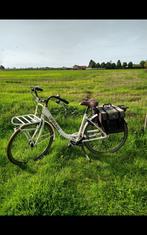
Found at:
<point>110,144</point>
<point>30,142</point>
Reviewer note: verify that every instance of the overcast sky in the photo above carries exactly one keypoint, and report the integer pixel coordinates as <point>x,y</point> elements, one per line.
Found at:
<point>27,43</point>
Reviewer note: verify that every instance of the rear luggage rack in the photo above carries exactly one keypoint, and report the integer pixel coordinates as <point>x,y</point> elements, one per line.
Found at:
<point>25,119</point>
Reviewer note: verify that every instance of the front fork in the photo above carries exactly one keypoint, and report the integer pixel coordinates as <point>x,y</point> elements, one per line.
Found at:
<point>32,140</point>
<point>39,128</point>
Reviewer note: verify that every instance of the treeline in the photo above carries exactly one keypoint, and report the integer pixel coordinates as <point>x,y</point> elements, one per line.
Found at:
<point>34,68</point>
<point>92,65</point>
<point>118,65</point>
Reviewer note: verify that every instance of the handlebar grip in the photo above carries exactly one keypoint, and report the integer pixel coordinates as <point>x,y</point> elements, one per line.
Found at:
<point>65,101</point>
<point>36,88</point>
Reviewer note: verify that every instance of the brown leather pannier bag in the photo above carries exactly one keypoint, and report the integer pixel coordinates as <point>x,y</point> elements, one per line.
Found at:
<point>111,118</point>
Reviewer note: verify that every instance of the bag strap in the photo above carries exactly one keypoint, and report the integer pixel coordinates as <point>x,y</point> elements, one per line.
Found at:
<point>106,110</point>
<point>107,104</point>
<point>115,107</point>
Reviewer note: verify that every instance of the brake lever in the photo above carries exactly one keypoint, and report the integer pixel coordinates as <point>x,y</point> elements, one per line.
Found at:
<point>58,101</point>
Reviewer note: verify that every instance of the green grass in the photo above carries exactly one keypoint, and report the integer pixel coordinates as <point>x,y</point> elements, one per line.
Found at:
<point>64,182</point>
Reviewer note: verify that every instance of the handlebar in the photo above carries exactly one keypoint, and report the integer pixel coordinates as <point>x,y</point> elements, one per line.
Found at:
<point>37,88</point>
<point>56,97</point>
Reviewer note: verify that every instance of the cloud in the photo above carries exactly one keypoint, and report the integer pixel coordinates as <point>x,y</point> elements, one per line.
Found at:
<point>67,42</point>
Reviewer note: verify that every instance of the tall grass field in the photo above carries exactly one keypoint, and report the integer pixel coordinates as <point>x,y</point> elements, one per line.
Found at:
<point>64,182</point>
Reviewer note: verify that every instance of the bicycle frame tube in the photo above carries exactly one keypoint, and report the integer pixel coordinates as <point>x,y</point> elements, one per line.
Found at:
<point>100,135</point>
<point>73,137</point>
<point>80,133</point>
<point>39,128</point>
<point>40,131</point>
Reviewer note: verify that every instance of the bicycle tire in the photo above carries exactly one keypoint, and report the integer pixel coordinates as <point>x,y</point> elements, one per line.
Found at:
<point>13,158</point>
<point>92,149</point>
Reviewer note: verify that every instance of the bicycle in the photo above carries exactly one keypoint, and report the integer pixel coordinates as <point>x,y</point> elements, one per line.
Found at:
<point>34,135</point>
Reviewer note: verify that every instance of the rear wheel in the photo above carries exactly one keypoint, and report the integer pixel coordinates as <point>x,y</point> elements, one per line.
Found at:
<point>24,146</point>
<point>112,143</point>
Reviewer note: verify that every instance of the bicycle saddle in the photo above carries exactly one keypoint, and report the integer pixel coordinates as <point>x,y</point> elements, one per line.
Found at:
<point>91,103</point>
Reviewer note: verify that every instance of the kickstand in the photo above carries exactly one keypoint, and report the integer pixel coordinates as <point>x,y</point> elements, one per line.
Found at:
<point>86,155</point>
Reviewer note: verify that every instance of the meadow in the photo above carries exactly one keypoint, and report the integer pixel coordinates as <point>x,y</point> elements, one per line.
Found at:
<point>64,182</point>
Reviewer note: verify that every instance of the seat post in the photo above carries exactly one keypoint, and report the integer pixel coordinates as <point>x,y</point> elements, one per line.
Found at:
<point>86,110</point>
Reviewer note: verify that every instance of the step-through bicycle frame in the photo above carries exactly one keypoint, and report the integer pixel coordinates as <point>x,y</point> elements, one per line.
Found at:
<point>40,126</point>
<point>74,137</point>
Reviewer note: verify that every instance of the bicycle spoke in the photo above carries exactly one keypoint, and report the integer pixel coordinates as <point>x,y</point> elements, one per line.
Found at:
<point>25,145</point>
<point>97,143</point>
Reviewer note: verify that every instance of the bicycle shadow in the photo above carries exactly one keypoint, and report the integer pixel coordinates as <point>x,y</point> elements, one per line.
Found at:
<point>4,163</point>
<point>115,161</point>
<point>68,153</point>
<point>28,168</point>
<point>33,165</point>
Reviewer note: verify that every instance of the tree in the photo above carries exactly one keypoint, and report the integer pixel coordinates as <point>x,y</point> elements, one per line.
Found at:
<point>124,65</point>
<point>130,65</point>
<point>113,66</point>
<point>137,66</point>
<point>98,65</point>
<point>2,67</point>
<point>118,65</point>
<point>108,65</point>
<point>142,62</point>
<point>92,64</point>
<point>103,65</point>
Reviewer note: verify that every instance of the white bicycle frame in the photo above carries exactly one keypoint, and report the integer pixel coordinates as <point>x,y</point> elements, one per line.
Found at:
<point>96,134</point>
<point>75,137</point>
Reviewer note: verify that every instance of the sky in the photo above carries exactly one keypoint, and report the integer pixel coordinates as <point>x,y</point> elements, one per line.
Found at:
<point>57,43</point>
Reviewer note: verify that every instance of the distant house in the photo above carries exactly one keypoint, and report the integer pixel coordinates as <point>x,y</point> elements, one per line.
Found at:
<point>77,67</point>
<point>88,68</point>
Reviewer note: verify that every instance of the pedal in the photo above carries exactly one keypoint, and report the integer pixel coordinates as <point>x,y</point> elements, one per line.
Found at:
<point>31,143</point>
<point>73,143</point>
<point>69,145</point>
